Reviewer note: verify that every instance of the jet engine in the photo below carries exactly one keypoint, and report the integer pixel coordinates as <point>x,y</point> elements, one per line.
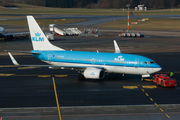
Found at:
<point>94,73</point>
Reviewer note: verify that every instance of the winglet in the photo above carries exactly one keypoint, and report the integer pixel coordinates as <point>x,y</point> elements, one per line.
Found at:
<point>117,50</point>
<point>13,60</point>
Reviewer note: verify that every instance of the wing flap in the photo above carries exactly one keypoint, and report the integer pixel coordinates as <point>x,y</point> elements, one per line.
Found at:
<point>51,66</point>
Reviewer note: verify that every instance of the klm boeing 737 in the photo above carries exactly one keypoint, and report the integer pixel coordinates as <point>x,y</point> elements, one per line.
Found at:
<point>90,65</point>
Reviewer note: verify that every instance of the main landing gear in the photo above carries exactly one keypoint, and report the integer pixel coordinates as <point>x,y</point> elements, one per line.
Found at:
<point>142,79</point>
<point>144,76</point>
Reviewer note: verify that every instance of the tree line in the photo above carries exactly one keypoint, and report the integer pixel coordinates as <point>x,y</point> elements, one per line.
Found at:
<point>156,4</point>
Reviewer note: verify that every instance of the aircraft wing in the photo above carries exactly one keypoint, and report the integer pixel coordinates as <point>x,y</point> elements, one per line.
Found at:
<point>52,66</point>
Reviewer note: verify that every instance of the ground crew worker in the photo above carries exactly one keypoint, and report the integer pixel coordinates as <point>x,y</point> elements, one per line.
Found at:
<point>171,74</point>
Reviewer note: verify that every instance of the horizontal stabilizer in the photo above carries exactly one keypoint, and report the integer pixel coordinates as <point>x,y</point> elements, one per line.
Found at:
<point>117,50</point>
<point>13,60</point>
<point>22,52</point>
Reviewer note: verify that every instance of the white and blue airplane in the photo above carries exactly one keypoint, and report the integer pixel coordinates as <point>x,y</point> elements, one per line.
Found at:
<point>90,65</point>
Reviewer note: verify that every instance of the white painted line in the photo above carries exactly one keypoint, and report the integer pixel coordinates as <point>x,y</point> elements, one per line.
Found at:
<point>89,110</point>
<point>68,110</point>
<point>150,109</point>
<point>109,109</point>
<point>130,109</point>
<point>20,112</point>
<point>48,111</point>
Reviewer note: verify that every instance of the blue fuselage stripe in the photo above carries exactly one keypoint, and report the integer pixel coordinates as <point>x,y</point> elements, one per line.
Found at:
<point>94,58</point>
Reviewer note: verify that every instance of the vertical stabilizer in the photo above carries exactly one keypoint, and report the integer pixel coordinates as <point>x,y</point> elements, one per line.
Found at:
<point>39,40</point>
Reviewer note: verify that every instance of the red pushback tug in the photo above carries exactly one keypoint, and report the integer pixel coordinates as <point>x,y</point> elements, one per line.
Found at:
<point>164,80</point>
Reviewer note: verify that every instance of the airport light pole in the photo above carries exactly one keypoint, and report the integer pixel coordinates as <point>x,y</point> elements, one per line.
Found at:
<point>128,5</point>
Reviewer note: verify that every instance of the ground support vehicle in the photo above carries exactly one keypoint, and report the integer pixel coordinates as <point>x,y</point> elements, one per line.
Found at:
<point>126,34</point>
<point>1,37</point>
<point>164,80</point>
<point>21,36</point>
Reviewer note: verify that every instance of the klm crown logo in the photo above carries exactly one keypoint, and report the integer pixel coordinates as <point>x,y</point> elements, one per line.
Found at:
<point>92,73</point>
<point>37,34</point>
<point>38,38</point>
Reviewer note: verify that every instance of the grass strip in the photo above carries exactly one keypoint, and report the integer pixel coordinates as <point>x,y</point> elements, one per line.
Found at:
<point>151,24</point>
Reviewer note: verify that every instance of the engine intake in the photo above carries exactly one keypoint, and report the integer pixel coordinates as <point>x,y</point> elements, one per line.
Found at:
<point>94,73</point>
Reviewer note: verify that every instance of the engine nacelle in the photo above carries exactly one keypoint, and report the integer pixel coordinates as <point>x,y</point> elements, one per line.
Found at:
<point>94,73</point>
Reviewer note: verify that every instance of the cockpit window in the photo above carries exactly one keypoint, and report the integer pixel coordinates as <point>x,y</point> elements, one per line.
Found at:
<point>147,62</point>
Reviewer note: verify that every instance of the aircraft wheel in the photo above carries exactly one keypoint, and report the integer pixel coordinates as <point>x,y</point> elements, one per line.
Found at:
<point>81,77</point>
<point>142,79</point>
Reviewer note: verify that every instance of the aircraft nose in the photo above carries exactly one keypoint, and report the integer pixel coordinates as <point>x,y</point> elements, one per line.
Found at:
<point>158,68</point>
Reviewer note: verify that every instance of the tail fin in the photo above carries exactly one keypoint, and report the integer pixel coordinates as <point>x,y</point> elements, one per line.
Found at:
<point>39,40</point>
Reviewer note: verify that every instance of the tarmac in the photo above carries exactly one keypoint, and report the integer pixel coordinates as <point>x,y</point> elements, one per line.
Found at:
<point>27,93</point>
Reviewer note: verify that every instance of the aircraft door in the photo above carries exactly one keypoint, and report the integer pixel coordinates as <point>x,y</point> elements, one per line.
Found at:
<point>136,64</point>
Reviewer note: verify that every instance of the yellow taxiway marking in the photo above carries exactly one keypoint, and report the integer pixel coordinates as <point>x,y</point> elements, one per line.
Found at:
<point>161,110</point>
<point>142,90</point>
<point>130,87</point>
<point>149,86</point>
<point>27,67</point>
<point>8,66</point>
<point>151,99</point>
<point>146,94</point>
<point>44,75</point>
<point>167,115</point>
<point>6,74</point>
<point>57,102</point>
<point>156,104</point>
<point>61,75</point>
<point>148,79</point>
